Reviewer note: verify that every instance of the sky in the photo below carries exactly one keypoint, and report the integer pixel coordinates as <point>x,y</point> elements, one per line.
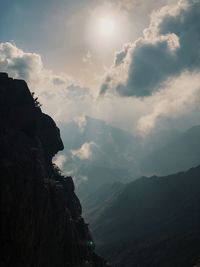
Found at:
<point>60,31</point>
<point>133,63</point>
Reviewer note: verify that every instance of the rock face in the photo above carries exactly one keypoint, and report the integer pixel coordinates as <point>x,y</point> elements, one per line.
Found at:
<point>41,223</point>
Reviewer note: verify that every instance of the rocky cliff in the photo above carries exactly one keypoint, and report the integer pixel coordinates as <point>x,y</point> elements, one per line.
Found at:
<point>41,223</point>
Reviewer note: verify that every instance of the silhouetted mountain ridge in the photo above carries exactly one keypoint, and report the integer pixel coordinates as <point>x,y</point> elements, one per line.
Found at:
<point>153,222</point>
<point>41,220</point>
<point>95,203</point>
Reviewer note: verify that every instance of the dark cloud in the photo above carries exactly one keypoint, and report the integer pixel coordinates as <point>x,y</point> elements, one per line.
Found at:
<point>187,27</point>
<point>151,63</point>
<point>105,85</point>
<point>171,46</point>
<point>58,81</point>
<point>77,92</point>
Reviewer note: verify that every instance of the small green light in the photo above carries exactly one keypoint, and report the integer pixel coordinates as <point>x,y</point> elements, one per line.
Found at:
<point>91,243</point>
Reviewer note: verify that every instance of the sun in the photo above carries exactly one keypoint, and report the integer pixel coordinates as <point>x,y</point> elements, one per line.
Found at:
<point>106,26</point>
<point>103,31</point>
<point>106,29</point>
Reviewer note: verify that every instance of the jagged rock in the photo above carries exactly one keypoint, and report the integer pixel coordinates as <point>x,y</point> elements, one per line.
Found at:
<point>49,135</point>
<point>41,223</point>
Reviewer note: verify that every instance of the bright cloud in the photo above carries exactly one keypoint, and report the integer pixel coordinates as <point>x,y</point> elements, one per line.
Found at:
<point>60,160</point>
<point>85,152</point>
<point>57,93</point>
<point>81,121</point>
<point>180,97</point>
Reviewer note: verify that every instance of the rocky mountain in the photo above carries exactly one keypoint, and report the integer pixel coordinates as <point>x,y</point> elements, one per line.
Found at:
<point>152,222</point>
<point>41,222</point>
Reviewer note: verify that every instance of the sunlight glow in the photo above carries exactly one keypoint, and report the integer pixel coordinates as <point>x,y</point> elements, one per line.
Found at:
<point>106,27</point>
<point>106,30</point>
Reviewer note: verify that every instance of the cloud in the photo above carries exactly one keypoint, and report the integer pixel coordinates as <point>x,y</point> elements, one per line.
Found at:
<point>169,47</point>
<point>127,4</point>
<point>80,179</point>
<point>170,103</point>
<point>58,93</point>
<point>138,5</point>
<point>60,160</point>
<point>69,168</point>
<point>66,100</point>
<point>121,55</point>
<point>29,66</point>
<point>17,63</point>
<point>61,97</point>
<point>85,152</point>
<point>81,121</point>
<point>77,92</point>
<point>87,58</point>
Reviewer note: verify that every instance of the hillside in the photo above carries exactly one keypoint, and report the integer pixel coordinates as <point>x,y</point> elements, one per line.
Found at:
<point>153,222</point>
<point>41,220</point>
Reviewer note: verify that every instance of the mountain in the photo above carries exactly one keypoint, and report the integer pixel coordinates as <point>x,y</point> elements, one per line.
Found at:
<point>114,153</point>
<point>95,204</point>
<point>41,220</point>
<point>152,222</point>
<point>179,154</point>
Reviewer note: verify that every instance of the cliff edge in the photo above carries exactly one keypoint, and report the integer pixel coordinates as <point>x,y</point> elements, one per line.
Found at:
<point>41,223</point>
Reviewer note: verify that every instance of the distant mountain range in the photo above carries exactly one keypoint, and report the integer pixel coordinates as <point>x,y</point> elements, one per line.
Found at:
<point>117,155</point>
<point>150,222</point>
<point>114,157</point>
